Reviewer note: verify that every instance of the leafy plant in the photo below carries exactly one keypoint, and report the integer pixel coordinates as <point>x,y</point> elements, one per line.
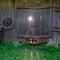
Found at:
<point>8,51</point>
<point>52,44</point>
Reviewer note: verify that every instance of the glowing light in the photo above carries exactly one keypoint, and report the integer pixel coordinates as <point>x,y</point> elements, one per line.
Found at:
<point>30,18</point>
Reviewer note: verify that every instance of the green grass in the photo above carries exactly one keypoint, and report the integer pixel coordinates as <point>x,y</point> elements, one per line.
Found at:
<point>24,51</point>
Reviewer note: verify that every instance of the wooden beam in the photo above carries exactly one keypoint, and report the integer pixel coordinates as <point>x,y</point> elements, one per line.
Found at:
<point>57,7</point>
<point>55,30</point>
<point>31,8</point>
<point>57,11</point>
<point>42,36</point>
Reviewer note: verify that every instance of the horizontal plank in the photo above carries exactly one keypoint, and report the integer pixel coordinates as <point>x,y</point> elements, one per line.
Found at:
<point>55,30</point>
<point>42,36</point>
<point>37,8</point>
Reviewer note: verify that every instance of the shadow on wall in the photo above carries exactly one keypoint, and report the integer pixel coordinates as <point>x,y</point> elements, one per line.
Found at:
<point>1,33</point>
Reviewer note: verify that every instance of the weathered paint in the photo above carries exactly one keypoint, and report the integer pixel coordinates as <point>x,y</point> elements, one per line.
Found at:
<point>8,8</point>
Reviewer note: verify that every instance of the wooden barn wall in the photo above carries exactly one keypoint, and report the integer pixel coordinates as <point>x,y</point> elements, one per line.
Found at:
<point>8,8</point>
<point>48,14</point>
<point>22,16</point>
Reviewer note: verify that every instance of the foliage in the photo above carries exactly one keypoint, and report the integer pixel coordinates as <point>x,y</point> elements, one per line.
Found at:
<point>24,51</point>
<point>52,44</point>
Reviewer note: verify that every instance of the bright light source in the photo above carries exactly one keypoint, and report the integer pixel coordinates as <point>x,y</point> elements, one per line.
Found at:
<point>30,18</point>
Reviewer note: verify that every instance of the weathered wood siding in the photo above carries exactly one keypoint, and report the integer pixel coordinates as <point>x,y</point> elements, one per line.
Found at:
<point>8,8</point>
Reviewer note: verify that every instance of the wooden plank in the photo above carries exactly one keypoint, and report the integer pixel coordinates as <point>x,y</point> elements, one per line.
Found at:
<point>55,30</point>
<point>42,36</point>
<point>33,8</point>
<point>57,11</point>
<point>57,7</point>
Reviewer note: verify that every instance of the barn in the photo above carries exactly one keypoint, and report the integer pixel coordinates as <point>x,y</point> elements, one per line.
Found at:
<point>30,18</point>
